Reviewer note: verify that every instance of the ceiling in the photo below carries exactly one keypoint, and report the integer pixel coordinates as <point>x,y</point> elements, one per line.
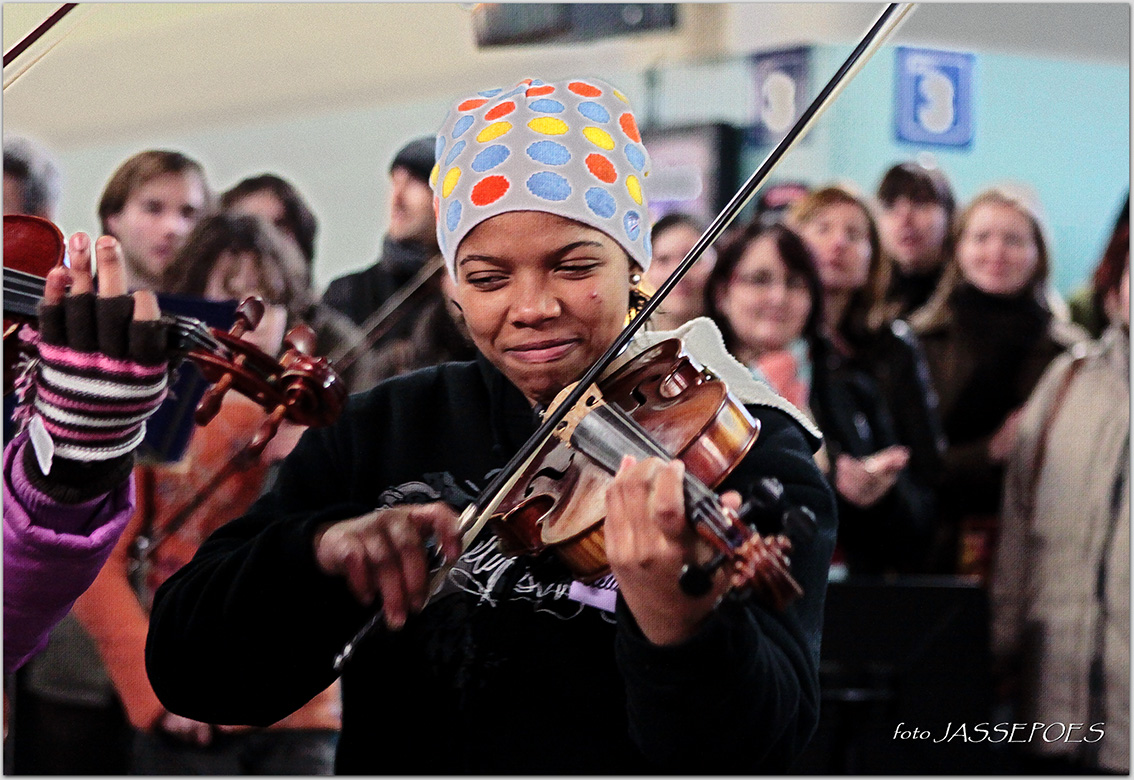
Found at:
<point>215,64</point>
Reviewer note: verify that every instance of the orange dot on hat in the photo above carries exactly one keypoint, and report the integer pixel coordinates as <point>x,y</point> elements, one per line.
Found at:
<point>501,110</point>
<point>469,105</point>
<point>602,168</point>
<point>546,89</point>
<point>488,190</point>
<point>630,127</point>
<point>584,89</point>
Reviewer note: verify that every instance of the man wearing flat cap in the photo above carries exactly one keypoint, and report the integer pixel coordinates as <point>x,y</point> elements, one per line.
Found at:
<point>411,238</point>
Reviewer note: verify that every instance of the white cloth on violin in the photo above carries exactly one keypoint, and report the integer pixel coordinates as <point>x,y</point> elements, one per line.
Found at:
<point>704,341</point>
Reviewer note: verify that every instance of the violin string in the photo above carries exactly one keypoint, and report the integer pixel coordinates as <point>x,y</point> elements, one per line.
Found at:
<point>196,332</point>
<point>12,273</point>
<point>191,330</point>
<point>608,432</point>
<point>23,295</point>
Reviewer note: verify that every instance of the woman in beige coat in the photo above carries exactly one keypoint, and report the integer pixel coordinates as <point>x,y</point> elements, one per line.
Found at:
<point>1061,584</point>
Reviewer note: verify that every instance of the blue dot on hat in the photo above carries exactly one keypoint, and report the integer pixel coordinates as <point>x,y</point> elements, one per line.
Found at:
<point>594,112</point>
<point>518,90</point>
<point>439,147</point>
<point>546,106</point>
<point>490,158</point>
<point>463,124</point>
<point>600,202</point>
<point>549,153</point>
<point>457,149</point>
<point>636,157</point>
<point>633,224</point>
<point>549,186</point>
<point>491,92</point>
<point>453,215</point>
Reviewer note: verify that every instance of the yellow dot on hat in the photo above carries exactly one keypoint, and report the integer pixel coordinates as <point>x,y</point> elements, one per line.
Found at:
<point>634,188</point>
<point>599,138</point>
<point>547,125</point>
<point>433,175</point>
<point>451,179</point>
<point>493,131</point>
<point>620,96</point>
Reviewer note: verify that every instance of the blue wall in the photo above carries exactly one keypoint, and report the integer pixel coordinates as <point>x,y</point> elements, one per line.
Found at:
<point>1060,128</point>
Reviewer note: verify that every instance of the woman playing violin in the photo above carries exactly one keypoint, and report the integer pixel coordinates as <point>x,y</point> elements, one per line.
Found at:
<point>512,666</point>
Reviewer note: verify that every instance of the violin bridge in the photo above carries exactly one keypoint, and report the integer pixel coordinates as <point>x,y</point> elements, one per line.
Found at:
<point>590,400</point>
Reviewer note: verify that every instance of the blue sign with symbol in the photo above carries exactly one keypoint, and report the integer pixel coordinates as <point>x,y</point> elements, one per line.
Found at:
<point>780,81</point>
<point>934,100</point>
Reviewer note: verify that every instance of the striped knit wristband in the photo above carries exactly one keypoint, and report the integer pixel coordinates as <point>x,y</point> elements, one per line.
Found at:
<point>90,407</point>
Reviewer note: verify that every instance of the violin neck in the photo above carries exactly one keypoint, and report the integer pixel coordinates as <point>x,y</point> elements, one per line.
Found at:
<point>607,433</point>
<point>22,292</point>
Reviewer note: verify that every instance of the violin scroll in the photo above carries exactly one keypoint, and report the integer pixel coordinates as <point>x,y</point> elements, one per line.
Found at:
<point>300,387</point>
<point>760,563</point>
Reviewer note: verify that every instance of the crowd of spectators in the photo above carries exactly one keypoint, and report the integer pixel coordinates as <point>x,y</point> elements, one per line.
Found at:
<point>919,335</point>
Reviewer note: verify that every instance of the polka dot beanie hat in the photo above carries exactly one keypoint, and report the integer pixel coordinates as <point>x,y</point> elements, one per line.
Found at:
<point>570,148</point>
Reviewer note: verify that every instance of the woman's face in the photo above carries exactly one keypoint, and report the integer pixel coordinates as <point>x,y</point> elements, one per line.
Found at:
<point>237,275</point>
<point>267,206</point>
<point>766,304</point>
<point>542,297</point>
<point>913,233</point>
<point>669,249</point>
<point>996,251</point>
<point>1117,302</point>
<point>839,238</point>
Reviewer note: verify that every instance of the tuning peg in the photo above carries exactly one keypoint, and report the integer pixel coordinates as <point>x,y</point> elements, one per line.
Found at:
<point>769,502</point>
<point>697,579</point>
<point>210,402</point>
<point>302,339</point>
<point>267,432</point>
<point>248,315</point>
<point>800,523</point>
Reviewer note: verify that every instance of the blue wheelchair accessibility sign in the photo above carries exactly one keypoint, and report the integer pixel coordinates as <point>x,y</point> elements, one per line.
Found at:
<point>934,97</point>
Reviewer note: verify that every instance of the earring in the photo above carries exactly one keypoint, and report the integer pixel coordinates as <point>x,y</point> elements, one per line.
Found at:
<point>638,296</point>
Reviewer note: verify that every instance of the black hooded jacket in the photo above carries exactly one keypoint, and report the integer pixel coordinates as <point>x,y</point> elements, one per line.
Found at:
<point>504,672</point>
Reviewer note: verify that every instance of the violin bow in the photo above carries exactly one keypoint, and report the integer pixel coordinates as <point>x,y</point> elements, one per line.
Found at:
<point>476,515</point>
<point>388,315</point>
<point>28,40</point>
<point>885,25</point>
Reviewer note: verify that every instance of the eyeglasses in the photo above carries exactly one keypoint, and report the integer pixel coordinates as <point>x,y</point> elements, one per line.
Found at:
<point>766,280</point>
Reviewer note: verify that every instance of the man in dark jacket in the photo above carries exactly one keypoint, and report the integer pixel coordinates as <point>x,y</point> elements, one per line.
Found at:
<point>409,242</point>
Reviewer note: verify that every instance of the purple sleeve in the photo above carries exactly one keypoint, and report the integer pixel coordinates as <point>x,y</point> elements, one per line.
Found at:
<point>52,553</point>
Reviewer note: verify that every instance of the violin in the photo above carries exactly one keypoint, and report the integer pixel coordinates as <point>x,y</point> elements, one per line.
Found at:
<point>299,387</point>
<point>661,403</point>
